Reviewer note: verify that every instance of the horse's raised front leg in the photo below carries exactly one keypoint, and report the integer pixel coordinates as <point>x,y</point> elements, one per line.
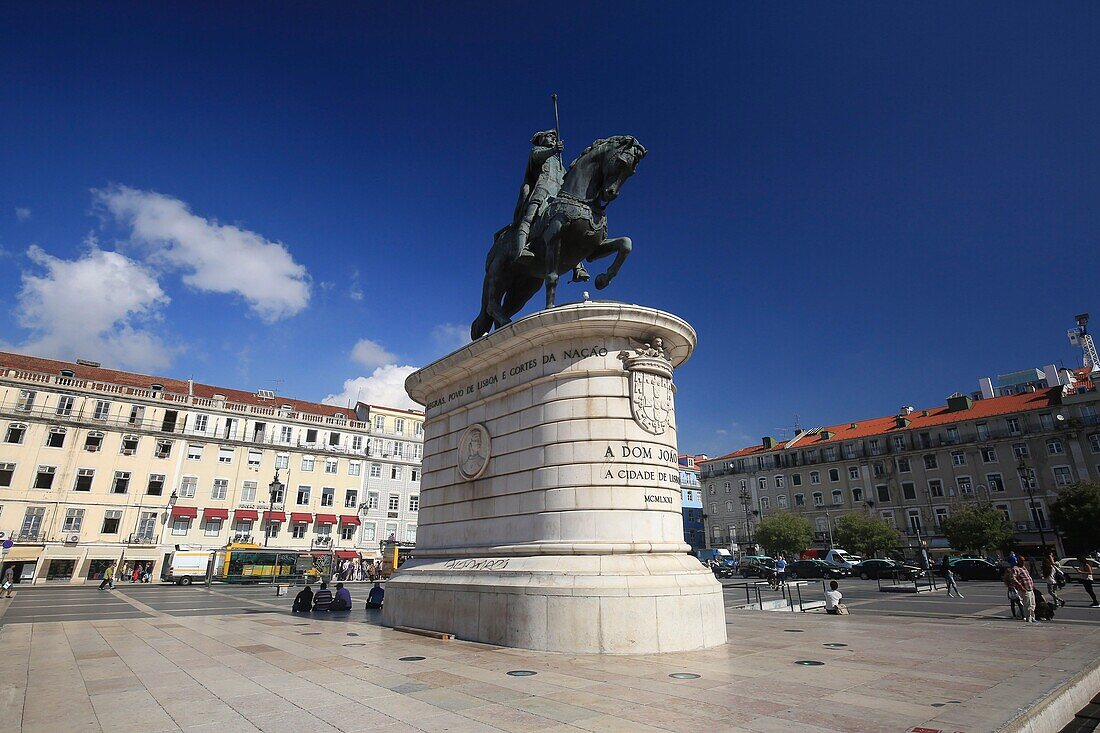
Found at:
<point>620,246</point>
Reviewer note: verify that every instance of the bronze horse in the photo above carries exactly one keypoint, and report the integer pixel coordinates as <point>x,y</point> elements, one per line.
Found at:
<point>572,228</point>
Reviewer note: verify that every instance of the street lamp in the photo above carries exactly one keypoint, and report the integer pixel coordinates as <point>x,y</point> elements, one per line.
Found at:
<point>172,499</point>
<point>746,498</point>
<point>275,489</point>
<point>1026,482</point>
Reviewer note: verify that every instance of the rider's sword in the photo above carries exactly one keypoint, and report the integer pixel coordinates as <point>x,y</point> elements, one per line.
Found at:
<point>557,133</point>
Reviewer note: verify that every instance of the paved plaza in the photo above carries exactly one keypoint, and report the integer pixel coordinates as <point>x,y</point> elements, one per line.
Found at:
<point>163,658</point>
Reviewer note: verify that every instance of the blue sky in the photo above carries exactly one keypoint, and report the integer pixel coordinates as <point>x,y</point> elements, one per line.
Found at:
<point>857,206</point>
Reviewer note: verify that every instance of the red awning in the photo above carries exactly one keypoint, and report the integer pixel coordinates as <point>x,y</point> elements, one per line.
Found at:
<point>209,513</point>
<point>325,519</point>
<point>347,554</point>
<point>185,511</point>
<point>246,514</point>
<point>349,519</point>
<point>274,517</point>
<point>300,518</point>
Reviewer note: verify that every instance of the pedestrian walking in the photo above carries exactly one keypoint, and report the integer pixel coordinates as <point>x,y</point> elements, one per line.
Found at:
<point>780,572</point>
<point>949,578</point>
<point>1086,577</point>
<point>108,577</point>
<point>1050,575</point>
<point>136,574</point>
<point>9,582</point>
<point>1025,586</point>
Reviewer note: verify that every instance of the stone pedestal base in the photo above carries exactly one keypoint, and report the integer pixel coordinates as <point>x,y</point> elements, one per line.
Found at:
<point>550,498</point>
<point>618,604</point>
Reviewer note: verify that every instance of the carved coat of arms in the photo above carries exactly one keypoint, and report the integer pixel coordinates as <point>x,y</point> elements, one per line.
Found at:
<point>651,387</point>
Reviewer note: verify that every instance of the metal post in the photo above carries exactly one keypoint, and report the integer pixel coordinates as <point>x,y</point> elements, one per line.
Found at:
<point>1025,481</point>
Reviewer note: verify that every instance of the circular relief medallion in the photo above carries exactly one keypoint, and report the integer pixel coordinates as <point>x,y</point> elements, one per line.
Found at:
<point>473,451</point>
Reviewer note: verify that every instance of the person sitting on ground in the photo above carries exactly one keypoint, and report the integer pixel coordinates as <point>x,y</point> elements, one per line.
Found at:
<point>833,606</point>
<point>322,599</point>
<point>376,595</point>
<point>303,602</point>
<point>342,601</point>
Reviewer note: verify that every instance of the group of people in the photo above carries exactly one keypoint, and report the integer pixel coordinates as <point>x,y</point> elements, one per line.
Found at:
<point>323,599</point>
<point>354,569</point>
<point>1029,601</point>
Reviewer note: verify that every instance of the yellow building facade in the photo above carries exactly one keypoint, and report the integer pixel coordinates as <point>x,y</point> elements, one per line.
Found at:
<point>99,466</point>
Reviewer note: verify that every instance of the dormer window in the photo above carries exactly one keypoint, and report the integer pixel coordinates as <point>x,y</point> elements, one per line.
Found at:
<point>67,373</point>
<point>156,387</point>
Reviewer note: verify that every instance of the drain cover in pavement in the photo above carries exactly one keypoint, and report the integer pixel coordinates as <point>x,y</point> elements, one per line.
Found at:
<point>810,663</point>
<point>521,673</point>
<point>793,631</point>
<point>684,676</point>
<point>352,633</point>
<point>355,643</point>
<point>834,646</point>
<point>311,633</point>
<point>411,659</point>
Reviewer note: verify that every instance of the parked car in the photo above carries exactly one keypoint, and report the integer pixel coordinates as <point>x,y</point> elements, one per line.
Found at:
<point>975,569</point>
<point>756,566</point>
<point>723,567</point>
<point>837,557</point>
<point>814,569</point>
<point>878,568</point>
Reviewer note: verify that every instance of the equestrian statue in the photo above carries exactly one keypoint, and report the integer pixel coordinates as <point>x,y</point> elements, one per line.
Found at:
<point>558,224</point>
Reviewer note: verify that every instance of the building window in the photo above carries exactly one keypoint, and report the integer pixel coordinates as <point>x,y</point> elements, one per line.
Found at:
<point>819,499</point>
<point>909,491</point>
<point>815,477</point>
<point>394,502</point>
<point>354,467</point>
<point>711,490</point>
<point>65,405</point>
<point>121,483</point>
<point>254,457</point>
<point>379,422</point>
<point>331,465</point>
<point>1094,442</point>
<point>328,496</point>
<point>111,519</point>
<point>298,531</point>
<point>188,486</point>
<point>15,433</point>
<point>303,495</point>
<point>1003,509</point>
<point>888,517</point>
<point>286,434</point>
<point>399,426</point>
<point>74,519</point>
<point>418,429</point>
<point>307,463</point>
<point>903,465</point>
<point>351,498</point>
<point>878,468</point>
<point>982,430</point>
<point>1046,421</point>
<point>800,500</point>
<point>282,461</point>
<point>830,454</point>
<point>713,508</point>
<point>834,474</point>
<point>357,442</point>
<point>414,503</point>
<point>930,461</point>
<point>762,483</point>
<point>779,482</point>
<point>248,492</point>
<point>102,410</point>
<point>220,489</point>
<point>194,451</point>
<point>958,458</point>
<point>883,493</point>
<point>180,525</point>
<point>84,478</point>
<point>213,527</point>
<point>398,449</point>
<point>727,487</point>
<point>369,532</point>
<point>163,449</point>
<point>347,531</point>
<point>796,479</point>
<point>201,422</point>
<point>849,450</point>
<point>873,447</point>
<point>763,503</point>
<point>989,454</point>
<point>1063,475</point>
<point>995,482</point>
<point>838,497</point>
<point>952,435</point>
<point>1054,447</point>
<point>225,454</point>
<point>857,495</point>
<point>43,479</point>
<point>853,473</point>
<point>7,471</point>
<point>899,442</point>
<point>729,506</point>
<point>156,484</point>
<point>55,438</point>
<point>372,500</point>
<point>273,529</point>
<point>781,501</point>
<point>914,520</point>
<point>940,514</point>
<point>965,487</point>
<point>1013,424</point>
<point>1019,450</point>
<point>935,488</point>
<point>129,445</point>
<point>395,472</point>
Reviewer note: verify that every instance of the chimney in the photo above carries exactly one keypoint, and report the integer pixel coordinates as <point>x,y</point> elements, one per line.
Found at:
<point>959,402</point>
<point>901,421</point>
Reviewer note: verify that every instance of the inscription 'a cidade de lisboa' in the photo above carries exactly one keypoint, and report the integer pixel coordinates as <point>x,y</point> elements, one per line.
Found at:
<point>517,370</point>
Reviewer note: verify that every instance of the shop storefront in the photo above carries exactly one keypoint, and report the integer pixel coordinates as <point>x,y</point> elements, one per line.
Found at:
<point>60,568</point>
<point>23,561</point>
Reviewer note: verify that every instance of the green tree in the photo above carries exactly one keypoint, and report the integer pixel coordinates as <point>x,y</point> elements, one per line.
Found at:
<point>977,527</point>
<point>865,535</point>
<point>1076,514</point>
<point>784,533</point>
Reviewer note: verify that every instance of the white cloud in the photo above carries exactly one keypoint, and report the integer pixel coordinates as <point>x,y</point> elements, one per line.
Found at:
<point>355,292</point>
<point>22,213</point>
<point>371,354</point>
<point>385,386</point>
<point>449,337</point>
<point>96,307</point>
<point>219,258</point>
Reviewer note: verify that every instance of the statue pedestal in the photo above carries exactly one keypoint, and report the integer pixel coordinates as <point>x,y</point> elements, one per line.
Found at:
<point>550,503</point>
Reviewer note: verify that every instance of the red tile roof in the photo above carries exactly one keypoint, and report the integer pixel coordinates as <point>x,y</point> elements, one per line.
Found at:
<point>918,420</point>
<point>178,386</point>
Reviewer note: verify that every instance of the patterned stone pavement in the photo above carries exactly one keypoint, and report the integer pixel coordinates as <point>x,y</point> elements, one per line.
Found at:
<point>275,672</point>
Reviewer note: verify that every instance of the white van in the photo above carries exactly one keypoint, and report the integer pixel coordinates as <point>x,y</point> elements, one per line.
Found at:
<point>186,567</point>
<point>841,559</point>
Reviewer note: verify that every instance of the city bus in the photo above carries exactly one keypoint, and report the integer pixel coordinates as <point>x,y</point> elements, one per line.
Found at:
<point>246,563</point>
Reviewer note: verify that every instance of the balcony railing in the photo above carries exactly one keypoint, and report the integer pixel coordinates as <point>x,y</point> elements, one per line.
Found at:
<point>141,539</point>
<point>28,537</point>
